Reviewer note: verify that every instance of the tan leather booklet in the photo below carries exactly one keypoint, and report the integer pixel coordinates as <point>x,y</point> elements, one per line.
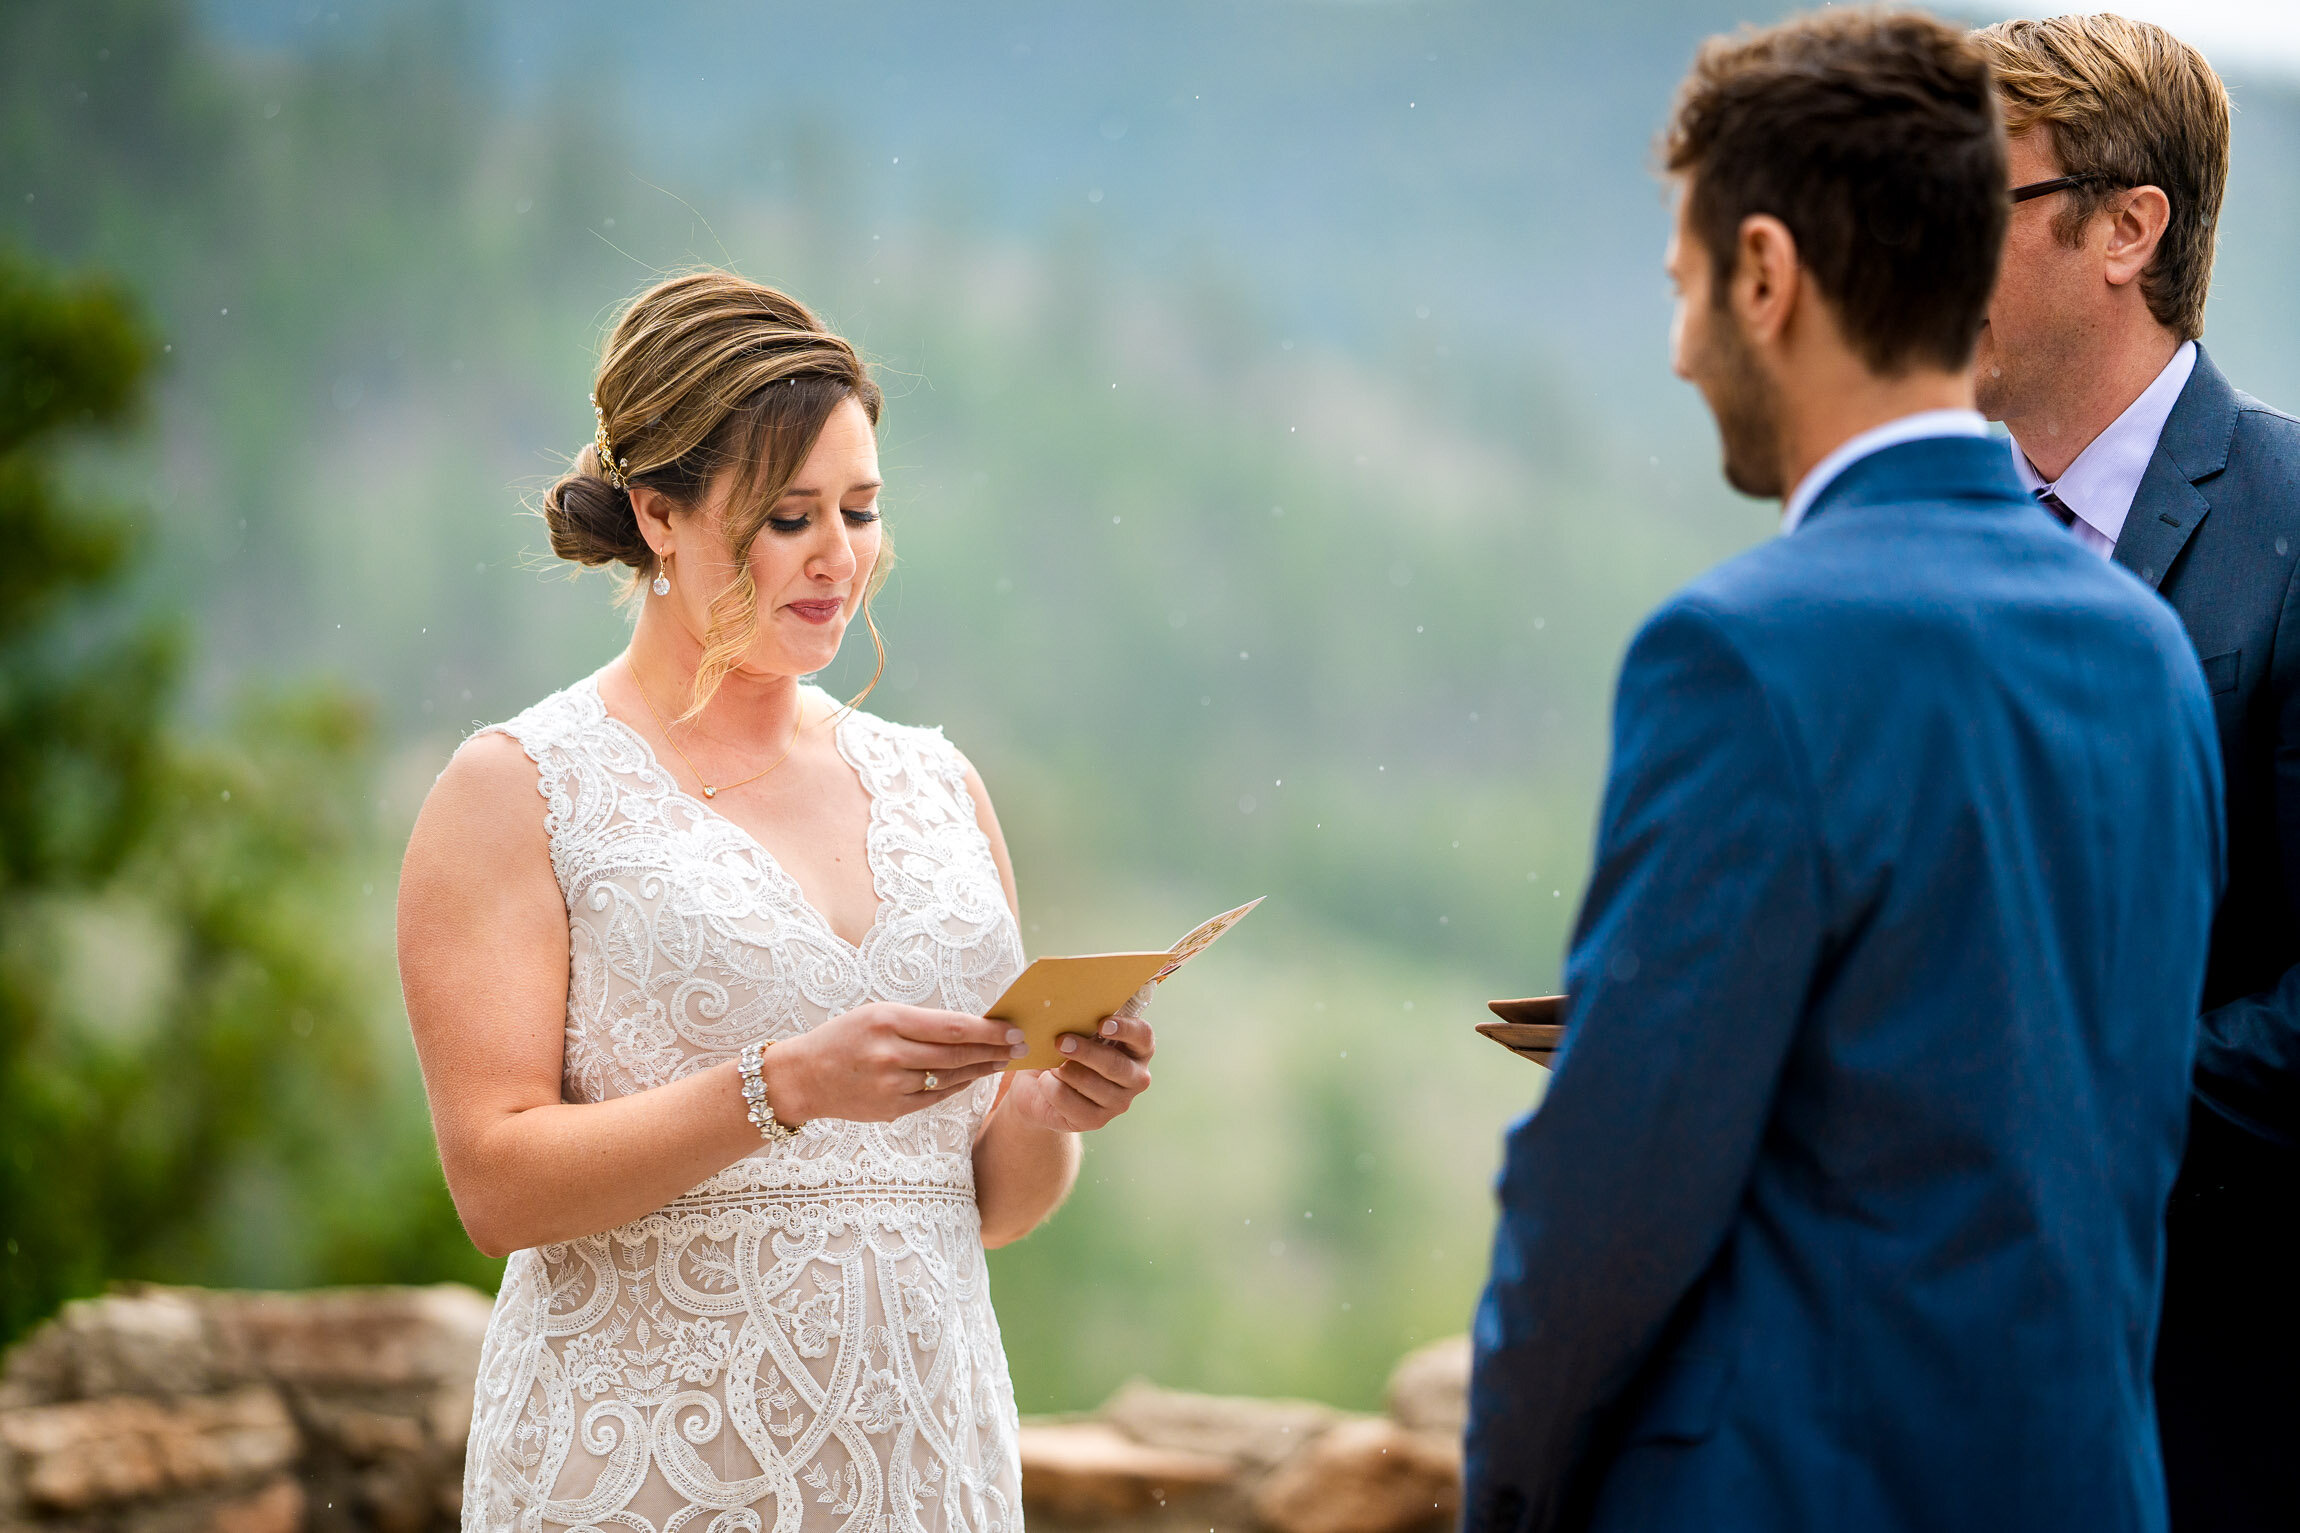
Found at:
<point>1530,1028</point>
<point>1072,995</point>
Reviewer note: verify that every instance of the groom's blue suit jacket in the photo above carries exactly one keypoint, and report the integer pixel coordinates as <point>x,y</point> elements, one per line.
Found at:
<point>1844,1208</point>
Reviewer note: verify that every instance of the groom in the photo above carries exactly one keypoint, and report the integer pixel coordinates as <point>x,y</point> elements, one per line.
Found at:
<point>1844,1208</point>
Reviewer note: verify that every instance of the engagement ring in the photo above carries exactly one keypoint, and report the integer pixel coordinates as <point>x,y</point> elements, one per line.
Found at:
<point>931,1082</point>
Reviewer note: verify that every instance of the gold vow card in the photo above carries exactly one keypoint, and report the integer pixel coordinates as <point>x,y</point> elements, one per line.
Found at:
<point>1069,995</point>
<point>1201,937</point>
<point>1072,995</point>
<point>1530,1028</point>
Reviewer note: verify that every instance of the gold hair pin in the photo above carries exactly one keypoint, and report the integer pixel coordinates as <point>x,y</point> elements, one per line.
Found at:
<point>616,469</point>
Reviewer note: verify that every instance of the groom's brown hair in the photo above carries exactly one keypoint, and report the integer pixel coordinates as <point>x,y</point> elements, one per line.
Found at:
<point>1876,137</point>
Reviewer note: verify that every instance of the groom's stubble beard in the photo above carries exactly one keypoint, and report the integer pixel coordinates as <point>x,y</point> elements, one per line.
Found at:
<point>1747,409</point>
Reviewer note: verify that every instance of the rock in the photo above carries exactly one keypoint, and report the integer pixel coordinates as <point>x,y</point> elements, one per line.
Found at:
<point>275,1508</point>
<point>1429,1388</point>
<point>1364,1476</point>
<point>398,1498</point>
<point>1258,1434</point>
<point>145,1340</point>
<point>364,1436</point>
<point>365,1338</point>
<point>448,1417</point>
<point>68,1458</point>
<point>177,1410</point>
<point>139,1341</point>
<point>1087,1470</point>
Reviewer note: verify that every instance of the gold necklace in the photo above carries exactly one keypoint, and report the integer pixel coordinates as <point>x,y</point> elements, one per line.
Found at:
<point>708,790</point>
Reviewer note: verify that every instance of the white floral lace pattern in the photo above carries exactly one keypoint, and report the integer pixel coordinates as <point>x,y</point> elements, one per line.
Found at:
<point>806,1341</point>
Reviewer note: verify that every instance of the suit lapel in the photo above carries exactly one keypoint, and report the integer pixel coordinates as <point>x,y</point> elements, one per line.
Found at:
<point>2163,517</point>
<point>2193,447</point>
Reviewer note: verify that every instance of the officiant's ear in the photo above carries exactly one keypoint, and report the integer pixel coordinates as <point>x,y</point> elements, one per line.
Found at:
<point>1767,279</point>
<point>2137,223</point>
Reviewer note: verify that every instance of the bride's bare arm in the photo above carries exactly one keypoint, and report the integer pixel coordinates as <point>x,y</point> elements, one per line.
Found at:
<point>1027,1158</point>
<point>483,964</point>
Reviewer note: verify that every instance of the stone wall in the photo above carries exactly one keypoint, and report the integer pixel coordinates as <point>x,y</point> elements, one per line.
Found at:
<point>176,1410</point>
<point>170,1410</point>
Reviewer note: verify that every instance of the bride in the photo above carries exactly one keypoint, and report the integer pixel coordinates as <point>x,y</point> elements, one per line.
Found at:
<point>695,959</point>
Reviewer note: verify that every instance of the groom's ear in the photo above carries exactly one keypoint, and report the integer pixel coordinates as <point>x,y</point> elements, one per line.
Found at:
<point>1767,279</point>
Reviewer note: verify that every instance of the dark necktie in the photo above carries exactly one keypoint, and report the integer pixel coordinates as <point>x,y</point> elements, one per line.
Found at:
<point>2057,507</point>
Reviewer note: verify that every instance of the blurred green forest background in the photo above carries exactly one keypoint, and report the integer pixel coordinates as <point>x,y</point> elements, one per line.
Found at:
<point>1281,450</point>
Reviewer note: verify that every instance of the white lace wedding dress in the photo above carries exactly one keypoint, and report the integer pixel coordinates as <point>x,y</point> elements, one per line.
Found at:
<point>806,1340</point>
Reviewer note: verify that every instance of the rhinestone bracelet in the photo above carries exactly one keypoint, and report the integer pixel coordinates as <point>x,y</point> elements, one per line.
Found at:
<point>762,1115</point>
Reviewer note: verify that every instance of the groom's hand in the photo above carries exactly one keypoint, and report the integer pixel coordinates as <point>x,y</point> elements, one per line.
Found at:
<point>1099,1080</point>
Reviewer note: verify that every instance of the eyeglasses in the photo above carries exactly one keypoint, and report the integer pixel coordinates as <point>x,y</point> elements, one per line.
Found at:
<point>2047,188</point>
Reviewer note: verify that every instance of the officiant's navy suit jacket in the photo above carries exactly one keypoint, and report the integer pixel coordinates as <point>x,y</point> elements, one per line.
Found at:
<point>1844,1207</point>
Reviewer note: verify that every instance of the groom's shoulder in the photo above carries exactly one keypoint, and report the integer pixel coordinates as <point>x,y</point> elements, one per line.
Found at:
<point>1829,594</point>
<point>1913,552</point>
<point>1749,614</point>
<point>1920,585</point>
<point>1775,587</point>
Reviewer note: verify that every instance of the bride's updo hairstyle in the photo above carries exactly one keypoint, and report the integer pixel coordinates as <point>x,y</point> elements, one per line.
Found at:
<point>706,373</point>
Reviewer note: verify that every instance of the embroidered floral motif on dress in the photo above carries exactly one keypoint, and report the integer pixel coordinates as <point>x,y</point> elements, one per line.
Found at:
<point>804,1342</point>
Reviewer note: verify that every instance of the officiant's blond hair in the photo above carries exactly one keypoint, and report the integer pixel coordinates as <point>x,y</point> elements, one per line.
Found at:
<point>2125,104</point>
<point>706,372</point>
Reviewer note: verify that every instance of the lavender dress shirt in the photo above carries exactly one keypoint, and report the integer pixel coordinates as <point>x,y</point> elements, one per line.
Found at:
<point>2100,485</point>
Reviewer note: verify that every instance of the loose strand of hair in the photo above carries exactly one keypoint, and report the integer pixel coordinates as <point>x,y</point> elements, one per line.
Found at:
<point>881,568</point>
<point>734,623</point>
<point>878,643</point>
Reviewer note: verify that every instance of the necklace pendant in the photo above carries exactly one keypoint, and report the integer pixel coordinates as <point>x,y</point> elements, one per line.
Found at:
<point>709,791</point>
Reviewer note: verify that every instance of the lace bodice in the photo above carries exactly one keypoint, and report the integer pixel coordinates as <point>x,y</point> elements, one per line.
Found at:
<point>805,1340</point>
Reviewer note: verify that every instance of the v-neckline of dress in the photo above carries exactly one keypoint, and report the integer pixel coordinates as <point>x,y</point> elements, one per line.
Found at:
<point>703,809</point>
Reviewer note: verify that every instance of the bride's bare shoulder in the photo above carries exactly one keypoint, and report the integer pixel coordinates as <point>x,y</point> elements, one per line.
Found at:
<point>480,915</point>
<point>490,767</point>
<point>484,807</point>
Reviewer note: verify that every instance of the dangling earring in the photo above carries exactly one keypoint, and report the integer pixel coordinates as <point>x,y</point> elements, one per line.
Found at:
<point>663,573</point>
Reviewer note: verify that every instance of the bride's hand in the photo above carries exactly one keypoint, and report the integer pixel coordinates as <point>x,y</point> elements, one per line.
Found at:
<point>1101,1079</point>
<point>879,1062</point>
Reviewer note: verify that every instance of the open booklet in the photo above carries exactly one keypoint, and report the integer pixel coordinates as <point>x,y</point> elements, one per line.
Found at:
<point>1531,1028</point>
<point>1072,995</point>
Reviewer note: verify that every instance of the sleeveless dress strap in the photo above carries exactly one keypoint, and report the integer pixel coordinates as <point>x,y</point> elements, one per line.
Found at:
<point>551,733</point>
